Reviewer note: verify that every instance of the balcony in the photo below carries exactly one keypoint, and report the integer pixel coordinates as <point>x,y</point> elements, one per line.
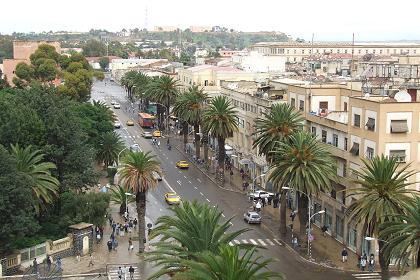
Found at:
<point>334,120</point>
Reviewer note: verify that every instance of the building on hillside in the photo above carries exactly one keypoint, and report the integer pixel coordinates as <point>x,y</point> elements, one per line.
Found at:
<point>22,51</point>
<point>119,67</point>
<point>294,52</point>
<point>230,53</point>
<point>163,28</point>
<point>329,64</point>
<point>257,62</point>
<point>70,50</point>
<point>197,29</point>
<point>94,60</point>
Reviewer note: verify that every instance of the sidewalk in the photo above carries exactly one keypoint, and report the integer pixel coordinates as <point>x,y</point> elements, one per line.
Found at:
<point>326,251</point>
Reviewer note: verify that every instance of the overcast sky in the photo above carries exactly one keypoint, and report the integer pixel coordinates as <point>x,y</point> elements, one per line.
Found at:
<point>327,19</point>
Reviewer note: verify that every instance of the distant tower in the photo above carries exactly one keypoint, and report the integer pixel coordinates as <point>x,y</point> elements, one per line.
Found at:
<point>145,18</point>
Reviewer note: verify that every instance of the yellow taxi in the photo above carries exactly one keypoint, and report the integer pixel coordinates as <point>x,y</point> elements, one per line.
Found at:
<point>182,164</point>
<point>157,133</point>
<point>172,198</point>
<point>130,123</point>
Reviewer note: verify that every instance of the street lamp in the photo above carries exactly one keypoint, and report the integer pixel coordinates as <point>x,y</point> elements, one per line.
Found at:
<point>118,156</point>
<point>369,238</point>
<point>126,204</point>
<point>253,181</point>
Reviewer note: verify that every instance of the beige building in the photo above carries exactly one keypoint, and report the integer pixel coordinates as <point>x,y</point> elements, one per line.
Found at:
<point>197,29</point>
<point>295,52</point>
<point>165,28</point>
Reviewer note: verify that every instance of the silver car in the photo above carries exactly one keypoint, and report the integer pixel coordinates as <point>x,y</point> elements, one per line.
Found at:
<point>252,217</point>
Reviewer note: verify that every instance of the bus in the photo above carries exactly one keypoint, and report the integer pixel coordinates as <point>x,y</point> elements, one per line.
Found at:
<point>146,120</point>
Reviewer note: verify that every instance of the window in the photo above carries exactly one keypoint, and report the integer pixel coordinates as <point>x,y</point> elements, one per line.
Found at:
<point>345,106</point>
<point>339,227</point>
<point>323,105</point>
<point>324,136</point>
<point>399,155</point>
<point>313,130</point>
<point>399,126</point>
<point>346,142</point>
<point>206,83</point>
<point>356,121</point>
<point>352,238</point>
<point>335,140</point>
<point>355,149</point>
<point>301,105</point>
<point>370,152</point>
<point>370,124</point>
<point>292,102</point>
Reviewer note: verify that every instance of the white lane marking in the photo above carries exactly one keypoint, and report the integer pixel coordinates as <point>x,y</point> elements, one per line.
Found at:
<point>167,184</point>
<point>244,241</point>
<point>237,241</point>
<point>231,223</point>
<point>270,242</point>
<point>156,202</point>
<point>223,215</point>
<point>185,177</point>
<point>163,154</point>
<point>189,182</point>
<point>262,242</point>
<point>167,158</point>
<point>179,182</point>
<point>253,241</point>
<point>366,274</point>
<point>278,242</point>
<point>179,171</point>
<point>201,194</point>
<point>198,180</point>
<point>195,188</point>
<point>207,200</point>
<point>160,209</point>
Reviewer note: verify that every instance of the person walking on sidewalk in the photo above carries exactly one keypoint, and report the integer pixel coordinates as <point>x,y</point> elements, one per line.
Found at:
<point>131,270</point>
<point>90,260</point>
<point>344,255</point>
<point>120,273</point>
<point>362,264</point>
<point>130,245</point>
<point>258,206</point>
<point>371,265</point>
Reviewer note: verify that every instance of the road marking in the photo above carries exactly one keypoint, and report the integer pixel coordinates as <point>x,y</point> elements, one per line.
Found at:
<point>160,209</point>
<point>167,184</point>
<point>223,215</point>
<point>207,200</point>
<point>262,242</point>
<point>163,154</point>
<point>231,223</point>
<point>189,182</point>
<point>195,188</point>
<point>185,177</point>
<point>253,242</point>
<point>367,276</point>
<point>179,182</point>
<point>156,202</point>
<point>179,171</point>
<point>278,242</point>
<point>237,241</point>
<point>201,194</point>
<point>167,158</point>
<point>244,241</point>
<point>269,242</point>
<point>198,180</point>
<point>172,162</point>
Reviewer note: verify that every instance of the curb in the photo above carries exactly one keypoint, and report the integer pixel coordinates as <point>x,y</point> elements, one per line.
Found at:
<point>207,175</point>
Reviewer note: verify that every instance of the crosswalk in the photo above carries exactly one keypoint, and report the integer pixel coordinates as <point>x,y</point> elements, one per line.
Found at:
<point>257,242</point>
<point>132,136</point>
<point>367,276</point>
<point>113,273</point>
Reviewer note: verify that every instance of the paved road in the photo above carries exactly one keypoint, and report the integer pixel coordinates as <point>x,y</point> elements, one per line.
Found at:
<point>193,185</point>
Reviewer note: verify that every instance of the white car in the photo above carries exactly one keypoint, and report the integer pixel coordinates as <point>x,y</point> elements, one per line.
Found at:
<point>117,106</point>
<point>117,124</point>
<point>135,148</point>
<point>260,194</point>
<point>113,102</point>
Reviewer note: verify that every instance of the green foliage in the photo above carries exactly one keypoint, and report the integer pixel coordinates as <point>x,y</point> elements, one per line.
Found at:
<point>109,146</point>
<point>230,263</point>
<point>220,117</point>
<point>44,52</point>
<point>77,85</point>
<point>74,67</point>
<point>94,48</point>
<point>6,47</point>
<point>47,71</point>
<point>118,196</point>
<point>104,62</point>
<point>24,71</point>
<point>16,212</point>
<point>99,75</point>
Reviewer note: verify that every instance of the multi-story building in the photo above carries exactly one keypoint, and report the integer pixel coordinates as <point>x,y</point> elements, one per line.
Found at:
<point>257,62</point>
<point>119,67</point>
<point>356,126</point>
<point>295,52</point>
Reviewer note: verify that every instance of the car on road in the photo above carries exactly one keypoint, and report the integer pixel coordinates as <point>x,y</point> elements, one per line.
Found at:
<point>135,148</point>
<point>147,135</point>
<point>130,123</point>
<point>117,106</point>
<point>252,217</point>
<point>157,133</point>
<point>156,176</point>
<point>172,198</point>
<point>117,124</point>
<point>260,194</point>
<point>182,164</point>
<point>113,102</point>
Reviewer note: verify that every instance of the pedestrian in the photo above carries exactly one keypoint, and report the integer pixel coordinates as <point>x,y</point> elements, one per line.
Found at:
<point>35,265</point>
<point>292,215</point>
<point>131,270</point>
<point>130,245</point>
<point>125,272</point>
<point>265,201</point>
<point>295,242</point>
<point>78,257</point>
<point>258,206</point>
<point>276,202</point>
<point>371,265</point>
<point>120,273</point>
<point>254,205</point>
<point>362,264</point>
<point>324,229</point>
<point>58,263</point>
<point>135,223</point>
<point>109,244</point>
<point>344,254</point>
<point>117,229</point>
<point>48,262</point>
<point>90,260</point>
<point>158,143</point>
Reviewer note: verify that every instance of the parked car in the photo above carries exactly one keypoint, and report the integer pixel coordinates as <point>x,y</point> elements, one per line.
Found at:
<point>117,124</point>
<point>135,148</point>
<point>113,102</point>
<point>130,123</point>
<point>260,194</point>
<point>117,106</point>
<point>252,217</point>
<point>147,135</point>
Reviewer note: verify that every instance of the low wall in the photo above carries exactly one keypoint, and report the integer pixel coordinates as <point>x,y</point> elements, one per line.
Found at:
<point>61,248</point>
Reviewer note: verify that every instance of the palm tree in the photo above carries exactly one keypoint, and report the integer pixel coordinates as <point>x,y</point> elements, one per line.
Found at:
<point>195,227</point>
<point>45,186</point>
<point>141,82</point>
<point>402,236</point>
<point>164,90</point>
<point>275,126</point>
<point>136,174</point>
<point>306,166</point>
<point>118,196</point>
<point>110,144</point>
<point>179,111</point>
<point>220,120</point>
<point>230,263</point>
<point>128,82</point>
<point>381,193</point>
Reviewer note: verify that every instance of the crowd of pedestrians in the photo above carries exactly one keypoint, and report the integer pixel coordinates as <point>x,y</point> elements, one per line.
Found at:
<point>120,230</point>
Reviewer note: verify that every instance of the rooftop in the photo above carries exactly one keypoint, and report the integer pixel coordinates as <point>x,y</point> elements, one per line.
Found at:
<point>214,68</point>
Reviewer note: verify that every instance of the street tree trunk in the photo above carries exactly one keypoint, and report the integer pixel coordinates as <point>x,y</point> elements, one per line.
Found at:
<point>303,215</point>
<point>383,262</point>
<point>122,208</point>
<point>221,157</point>
<point>185,133</point>
<point>141,213</point>
<point>197,140</point>
<point>283,222</point>
<point>206,146</point>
